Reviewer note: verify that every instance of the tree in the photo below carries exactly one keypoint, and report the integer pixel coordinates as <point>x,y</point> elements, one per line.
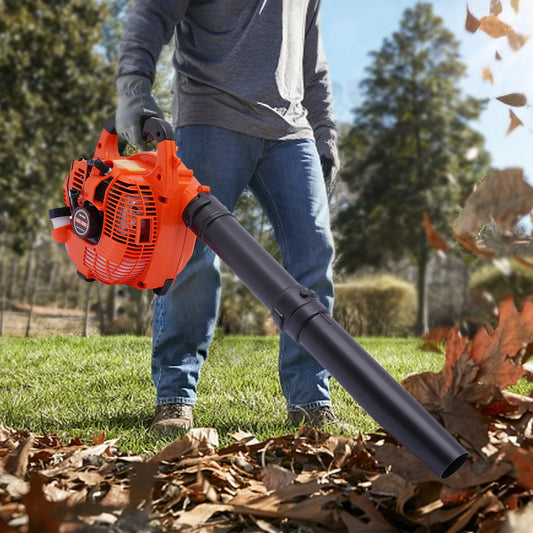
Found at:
<point>57,90</point>
<point>410,149</point>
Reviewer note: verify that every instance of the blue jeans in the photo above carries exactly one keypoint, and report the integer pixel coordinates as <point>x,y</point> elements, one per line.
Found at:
<point>286,178</point>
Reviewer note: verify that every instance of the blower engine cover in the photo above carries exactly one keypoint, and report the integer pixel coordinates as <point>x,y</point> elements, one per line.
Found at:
<point>122,219</point>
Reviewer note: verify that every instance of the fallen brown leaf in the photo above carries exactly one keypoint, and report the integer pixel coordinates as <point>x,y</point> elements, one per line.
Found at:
<point>44,516</point>
<point>309,479</point>
<point>522,461</point>
<point>276,477</point>
<point>201,441</point>
<point>16,463</point>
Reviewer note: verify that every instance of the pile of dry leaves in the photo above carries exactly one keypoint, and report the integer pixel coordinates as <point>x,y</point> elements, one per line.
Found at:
<point>308,481</point>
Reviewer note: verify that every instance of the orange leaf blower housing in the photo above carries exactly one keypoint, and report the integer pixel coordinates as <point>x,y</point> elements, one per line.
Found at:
<point>139,238</point>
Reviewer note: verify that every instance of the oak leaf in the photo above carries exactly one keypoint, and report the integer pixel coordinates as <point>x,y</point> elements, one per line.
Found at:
<point>276,477</point>
<point>476,370</point>
<point>197,441</point>
<point>498,353</point>
<point>44,516</point>
<point>523,464</point>
<point>434,339</point>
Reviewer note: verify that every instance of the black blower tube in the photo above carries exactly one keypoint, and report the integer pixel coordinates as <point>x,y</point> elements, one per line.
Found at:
<point>299,312</point>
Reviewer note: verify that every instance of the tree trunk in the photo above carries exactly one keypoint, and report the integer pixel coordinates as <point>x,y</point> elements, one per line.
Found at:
<point>27,295</point>
<point>422,313</point>
<point>86,321</point>
<point>111,308</point>
<point>101,309</point>
<point>34,287</point>
<point>2,293</point>
<point>11,289</point>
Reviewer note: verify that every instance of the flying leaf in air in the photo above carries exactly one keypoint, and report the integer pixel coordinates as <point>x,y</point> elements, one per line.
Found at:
<point>433,237</point>
<point>515,122</point>
<point>514,99</point>
<point>471,22</point>
<point>497,56</point>
<point>515,5</point>
<point>495,7</point>
<point>499,354</point>
<point>516,40</point>
<point>502,199</point>
<point>494,27</point>
<point>487,75</point>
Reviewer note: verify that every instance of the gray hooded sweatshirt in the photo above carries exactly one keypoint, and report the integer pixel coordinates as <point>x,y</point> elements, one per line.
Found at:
<point>251,66</point>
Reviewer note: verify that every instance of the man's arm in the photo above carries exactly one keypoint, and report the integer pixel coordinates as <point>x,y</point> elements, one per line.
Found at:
<point>318,98</point>
<point>150,24</point>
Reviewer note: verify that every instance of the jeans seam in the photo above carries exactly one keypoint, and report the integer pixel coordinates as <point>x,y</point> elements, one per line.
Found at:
<point>277,219</point>
<point>295,408</point>
<point>160,321</point>
<point>283,381</point>
<point>174,399</point>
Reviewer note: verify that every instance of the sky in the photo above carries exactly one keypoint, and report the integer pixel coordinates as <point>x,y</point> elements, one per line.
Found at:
<point>353,28</point>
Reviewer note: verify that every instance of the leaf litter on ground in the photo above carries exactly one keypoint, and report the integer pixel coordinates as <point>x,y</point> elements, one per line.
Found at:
<point>306,481</point>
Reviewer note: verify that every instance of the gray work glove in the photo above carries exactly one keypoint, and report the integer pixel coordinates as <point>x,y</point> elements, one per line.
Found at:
<point>326,144</point>
<point>135,105</point>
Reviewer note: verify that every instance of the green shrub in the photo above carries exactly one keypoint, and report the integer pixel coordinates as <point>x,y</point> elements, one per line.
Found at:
<point>490,279</point>
<point>240,312</point>
<point>376,305</point>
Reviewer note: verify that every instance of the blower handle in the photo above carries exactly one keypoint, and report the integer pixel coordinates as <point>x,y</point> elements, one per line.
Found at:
<point>110,125</point>
<point>299,312</point>
<point>158,130</point>
<point>154,128</point>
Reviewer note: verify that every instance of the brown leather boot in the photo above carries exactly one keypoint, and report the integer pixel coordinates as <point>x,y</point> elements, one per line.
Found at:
<point>322,418</point>
<point>172,419</point>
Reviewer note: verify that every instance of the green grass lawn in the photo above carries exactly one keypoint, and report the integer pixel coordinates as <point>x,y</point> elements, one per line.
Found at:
<point>81,386</point>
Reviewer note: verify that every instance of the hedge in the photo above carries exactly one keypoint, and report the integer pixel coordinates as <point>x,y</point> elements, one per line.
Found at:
<point>380,305</point>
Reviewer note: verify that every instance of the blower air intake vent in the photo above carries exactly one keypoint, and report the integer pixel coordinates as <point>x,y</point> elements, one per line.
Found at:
<point>78,180</point>
<point>131,221</point>
<point>131,216</point>
<point>114,270</point>
<point>99,193</point>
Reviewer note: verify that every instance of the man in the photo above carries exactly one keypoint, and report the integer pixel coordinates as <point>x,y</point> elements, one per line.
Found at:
<point>252,106</point>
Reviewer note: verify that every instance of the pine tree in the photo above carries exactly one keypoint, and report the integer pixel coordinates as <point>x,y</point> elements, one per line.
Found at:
<point>56,93</point>
<point>410,150</point>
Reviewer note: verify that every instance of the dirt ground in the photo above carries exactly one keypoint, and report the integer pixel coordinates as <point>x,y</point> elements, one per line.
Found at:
<point>46,321</point>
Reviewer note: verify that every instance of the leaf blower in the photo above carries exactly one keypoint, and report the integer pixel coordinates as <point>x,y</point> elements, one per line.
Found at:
<point>134,220</point>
